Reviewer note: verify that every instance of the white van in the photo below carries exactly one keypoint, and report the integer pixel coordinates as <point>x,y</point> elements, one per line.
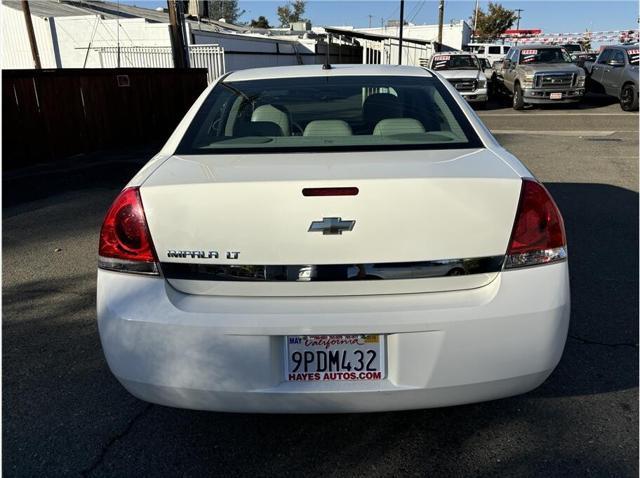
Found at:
<point>490,51</point>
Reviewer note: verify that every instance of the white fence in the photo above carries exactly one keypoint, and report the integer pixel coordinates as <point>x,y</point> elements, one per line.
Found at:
<point>210,57</point>
<point>385,52</point>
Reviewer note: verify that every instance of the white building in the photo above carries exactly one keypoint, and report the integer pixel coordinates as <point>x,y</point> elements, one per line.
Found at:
<point>454,34</point>
<point>94,34</point>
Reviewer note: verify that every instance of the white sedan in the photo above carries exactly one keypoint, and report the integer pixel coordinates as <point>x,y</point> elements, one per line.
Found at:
<point>344,239</point>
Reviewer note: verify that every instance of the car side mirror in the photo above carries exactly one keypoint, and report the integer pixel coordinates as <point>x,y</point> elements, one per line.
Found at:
<point>507,63</point>
<point>615,63</point>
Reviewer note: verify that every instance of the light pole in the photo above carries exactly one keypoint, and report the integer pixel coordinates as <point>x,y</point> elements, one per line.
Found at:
<point>519,10</point>
<point>475,19</point>
<point>440,21</point>
<point>401,32</point>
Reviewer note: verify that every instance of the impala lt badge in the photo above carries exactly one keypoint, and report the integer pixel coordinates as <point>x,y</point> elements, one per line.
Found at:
<point>331,226</point>
<point>201,254</point>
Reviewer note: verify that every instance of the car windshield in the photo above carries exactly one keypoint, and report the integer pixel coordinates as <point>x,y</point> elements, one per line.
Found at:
<point>454,62</point>
<point>544,55</point>
<point>328,114</point>
<point>633,56</point>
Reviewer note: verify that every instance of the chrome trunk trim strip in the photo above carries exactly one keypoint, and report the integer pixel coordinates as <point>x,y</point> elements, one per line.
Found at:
<point>332,272</point>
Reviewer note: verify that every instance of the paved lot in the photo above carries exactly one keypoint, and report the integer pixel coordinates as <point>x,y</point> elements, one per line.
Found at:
<point>64,414</point>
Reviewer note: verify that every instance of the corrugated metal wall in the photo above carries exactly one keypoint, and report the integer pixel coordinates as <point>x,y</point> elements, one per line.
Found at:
<point>16,52</point>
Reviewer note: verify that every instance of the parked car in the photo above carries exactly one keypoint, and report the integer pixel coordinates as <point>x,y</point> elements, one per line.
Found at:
<point>615,73</point>
<point>490,51</point>
<point>463,71</point>
<point>539,74</point>
<point>489,73</point>
<point>236,269</point>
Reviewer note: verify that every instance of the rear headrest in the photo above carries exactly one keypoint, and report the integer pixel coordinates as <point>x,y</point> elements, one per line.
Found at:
<point>274,115</point>
<point>380,106</point>
<point>388,127</point>
<point>257,128</point>
<point>328,128</point>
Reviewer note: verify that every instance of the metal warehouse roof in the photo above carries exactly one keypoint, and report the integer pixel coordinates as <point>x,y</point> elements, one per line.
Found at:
<point>111,10</point>
<point>372,36</point>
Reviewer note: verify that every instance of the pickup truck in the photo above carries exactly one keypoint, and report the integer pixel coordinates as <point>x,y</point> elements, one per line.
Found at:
<point>615,73</point>
<point>539,74</point>
<point>464,72</point>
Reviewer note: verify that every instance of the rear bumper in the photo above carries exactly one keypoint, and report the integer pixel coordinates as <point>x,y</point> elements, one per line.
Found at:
<point>226,353</point>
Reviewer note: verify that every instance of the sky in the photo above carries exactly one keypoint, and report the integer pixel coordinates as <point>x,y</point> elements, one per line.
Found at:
<point>552,16</point>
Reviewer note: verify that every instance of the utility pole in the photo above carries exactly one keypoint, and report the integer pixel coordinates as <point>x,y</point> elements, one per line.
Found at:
<point>176,19</point>
<point>31,35</point>
<point>440,21</point>
<point>370,17</point>
<point>519,10</point>
<point>401,32</point>
<point>475,20</point>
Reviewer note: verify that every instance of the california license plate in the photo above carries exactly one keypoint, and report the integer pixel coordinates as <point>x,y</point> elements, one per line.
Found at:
<point>555,96</point>
<point>334,358</point>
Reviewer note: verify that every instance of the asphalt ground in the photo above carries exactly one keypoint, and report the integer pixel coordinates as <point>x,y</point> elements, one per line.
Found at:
<point>65,415</point>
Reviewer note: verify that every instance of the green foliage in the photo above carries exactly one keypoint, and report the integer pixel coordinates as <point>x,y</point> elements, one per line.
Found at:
<point>227,9</point>
<point>291,12</point>
<point>261,22</point>
<point>494,22</point>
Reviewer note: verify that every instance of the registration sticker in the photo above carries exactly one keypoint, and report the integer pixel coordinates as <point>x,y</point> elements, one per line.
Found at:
<point>322,358</point>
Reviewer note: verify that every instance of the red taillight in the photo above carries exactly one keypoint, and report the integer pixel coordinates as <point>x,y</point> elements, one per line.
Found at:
<point>124,234</point>
<point>538,235</point>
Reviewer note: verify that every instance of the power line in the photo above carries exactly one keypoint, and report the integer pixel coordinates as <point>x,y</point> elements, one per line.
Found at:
<point>420,5</point>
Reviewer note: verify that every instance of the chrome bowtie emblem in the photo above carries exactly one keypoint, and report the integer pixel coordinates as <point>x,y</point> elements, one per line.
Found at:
<point>331,226</point>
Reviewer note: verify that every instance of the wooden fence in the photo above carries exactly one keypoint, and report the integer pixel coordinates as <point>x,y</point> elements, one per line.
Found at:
<point>52,114</point>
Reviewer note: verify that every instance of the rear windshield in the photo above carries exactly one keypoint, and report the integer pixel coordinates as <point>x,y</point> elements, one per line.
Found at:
<point>544,55</point>
<point>328,114</point>
<point>454,62</point>
<point>572,48</point>
<point>633,56</point>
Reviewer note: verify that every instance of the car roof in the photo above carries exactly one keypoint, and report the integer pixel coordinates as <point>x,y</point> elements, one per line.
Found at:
<point>534,46</point>
<point>624,47</point>
<point>306,71</point>
<point>455,53</point>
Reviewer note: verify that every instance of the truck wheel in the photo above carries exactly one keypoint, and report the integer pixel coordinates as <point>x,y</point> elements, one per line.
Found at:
<point>518,99</point>
<point>629,98</point>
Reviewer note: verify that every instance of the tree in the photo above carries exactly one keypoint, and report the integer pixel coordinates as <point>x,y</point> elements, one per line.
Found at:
<point>261,22</point>
<point>495,22</point>
<point>227,9</point>
<point>291,12</point>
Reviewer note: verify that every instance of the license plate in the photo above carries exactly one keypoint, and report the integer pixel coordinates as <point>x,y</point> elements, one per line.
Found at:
<point>325,358</point>
<point>555,96</point>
